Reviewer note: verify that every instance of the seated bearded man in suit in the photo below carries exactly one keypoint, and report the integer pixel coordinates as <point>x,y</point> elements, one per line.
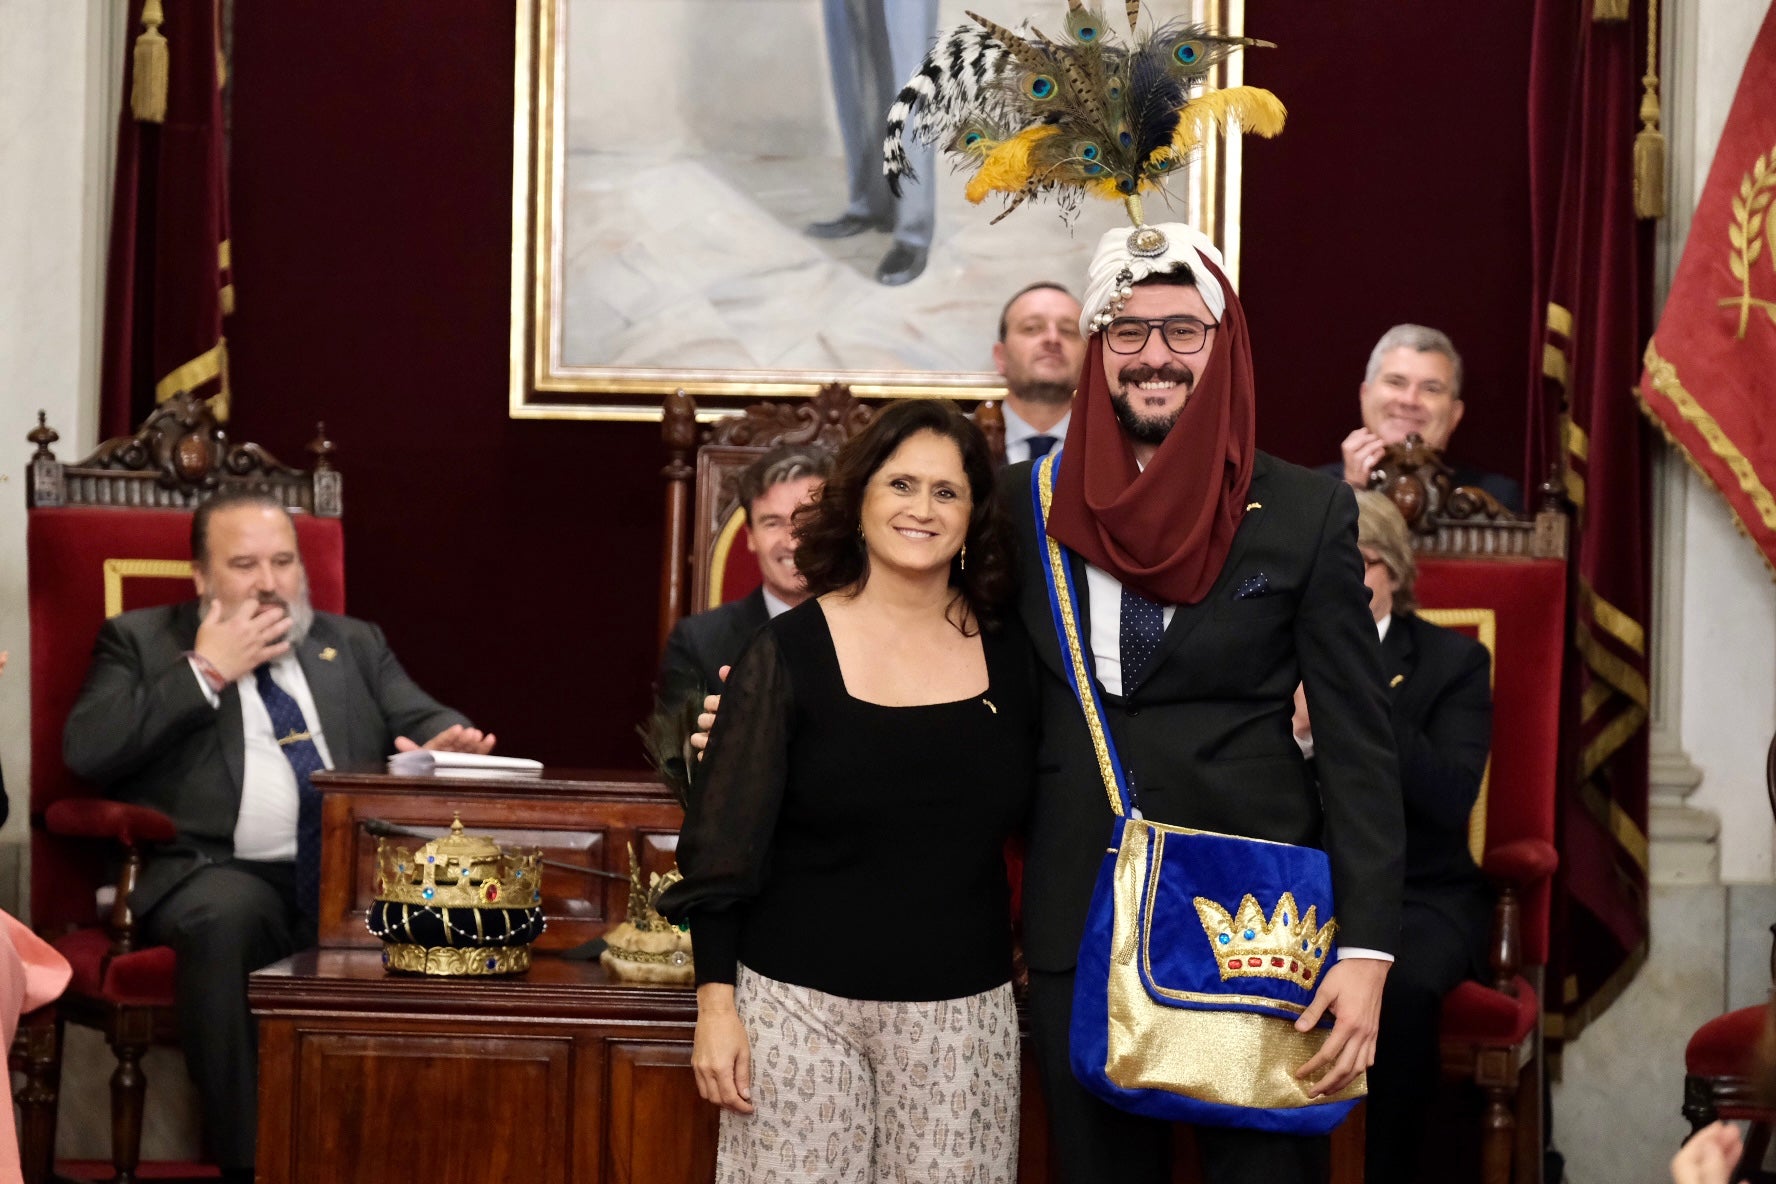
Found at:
<point>772,489</point>
<point>1439,687</point>
<point>215,712</point>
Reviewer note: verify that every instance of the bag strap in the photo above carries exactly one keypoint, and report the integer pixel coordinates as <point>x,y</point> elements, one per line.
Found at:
<point>1063,604</point>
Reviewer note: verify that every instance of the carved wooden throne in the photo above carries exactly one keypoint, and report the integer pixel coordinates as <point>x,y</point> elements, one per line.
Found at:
<point>107,534</point>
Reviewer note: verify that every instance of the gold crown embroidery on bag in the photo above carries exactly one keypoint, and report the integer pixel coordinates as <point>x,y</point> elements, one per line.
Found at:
<point>1288,946</point>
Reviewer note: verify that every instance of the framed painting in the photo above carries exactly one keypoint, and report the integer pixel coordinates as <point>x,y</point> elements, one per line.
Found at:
<point>686,214</point>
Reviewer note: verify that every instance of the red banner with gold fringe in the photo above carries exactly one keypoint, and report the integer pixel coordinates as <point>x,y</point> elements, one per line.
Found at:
<point>169,280</point>
<point>1710,378</point>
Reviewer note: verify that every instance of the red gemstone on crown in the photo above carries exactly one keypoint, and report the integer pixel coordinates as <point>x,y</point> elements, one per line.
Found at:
<point>1276,961</point>
<point>1234,964</point>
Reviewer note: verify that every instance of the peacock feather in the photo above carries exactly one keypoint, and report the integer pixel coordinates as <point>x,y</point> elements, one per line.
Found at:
<point>1084,113</point>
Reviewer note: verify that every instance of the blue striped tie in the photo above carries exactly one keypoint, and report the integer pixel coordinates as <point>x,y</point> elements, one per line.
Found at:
<point>293,736</point>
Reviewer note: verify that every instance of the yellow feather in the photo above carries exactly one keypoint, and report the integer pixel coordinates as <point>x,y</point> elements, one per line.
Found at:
<point>1250,108</point>
<point>1007,167</point>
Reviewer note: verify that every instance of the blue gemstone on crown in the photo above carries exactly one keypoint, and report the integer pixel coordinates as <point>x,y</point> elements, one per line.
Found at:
<point>1250,934</point>
<point>492,962</point>
<point>427,893</point>
<point>1225,938</point>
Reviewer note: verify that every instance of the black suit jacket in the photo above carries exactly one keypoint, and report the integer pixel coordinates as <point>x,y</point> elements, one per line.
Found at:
<point>700,645</point>
<point>1207,732</point>
<point>1507,491</point>
<point>143,730</point>
<point>1440,703</point>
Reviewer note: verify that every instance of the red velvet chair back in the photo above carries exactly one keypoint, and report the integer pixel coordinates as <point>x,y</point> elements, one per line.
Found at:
<point>1516,607</point>
<point>87,563</point>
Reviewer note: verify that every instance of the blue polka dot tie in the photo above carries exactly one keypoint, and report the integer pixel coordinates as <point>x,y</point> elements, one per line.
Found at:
<point>1041,446</point>
<point>293,736</point>
<point>1143,624</point>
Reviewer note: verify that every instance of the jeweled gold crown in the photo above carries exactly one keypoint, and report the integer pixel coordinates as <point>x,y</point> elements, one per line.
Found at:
<point>1288,946</point>
<point>456,906</point>
<point>458,871</point>
<point>646,947</point>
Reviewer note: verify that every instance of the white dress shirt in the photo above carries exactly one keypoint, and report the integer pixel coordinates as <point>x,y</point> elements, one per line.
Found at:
<point>265,829</point>
<point>1105,603</point>
<point>774,607</point>
<point>1018,432</point>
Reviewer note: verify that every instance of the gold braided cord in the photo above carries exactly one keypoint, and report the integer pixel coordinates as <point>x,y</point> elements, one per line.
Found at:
<point>1649,142</point>
<point>1075,654</point>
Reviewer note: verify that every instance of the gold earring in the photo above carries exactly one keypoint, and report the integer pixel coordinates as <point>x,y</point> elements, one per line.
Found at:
<point>964,556</point>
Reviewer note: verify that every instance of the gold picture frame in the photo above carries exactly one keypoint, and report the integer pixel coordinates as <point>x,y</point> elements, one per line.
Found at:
<point>556,374</point>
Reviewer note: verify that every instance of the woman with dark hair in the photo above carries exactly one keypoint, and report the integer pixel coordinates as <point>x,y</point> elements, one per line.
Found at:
<point>844,880</point>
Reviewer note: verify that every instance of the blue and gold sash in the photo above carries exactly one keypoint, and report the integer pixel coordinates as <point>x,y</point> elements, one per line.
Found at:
<point>1187,987</point>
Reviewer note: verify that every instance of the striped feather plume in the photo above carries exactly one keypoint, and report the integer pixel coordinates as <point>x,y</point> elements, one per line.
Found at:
<point>1084,112</point>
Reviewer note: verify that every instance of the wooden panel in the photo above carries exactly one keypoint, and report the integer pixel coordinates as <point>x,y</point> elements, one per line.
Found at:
<point>658,1130</point>
<point>443,1109</point>
<point>580,820</point>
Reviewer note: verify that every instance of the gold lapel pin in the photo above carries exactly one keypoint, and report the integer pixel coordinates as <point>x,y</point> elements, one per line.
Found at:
<point>990,706</point>
<point>328,654</point>
<point>1254,505</point>
<point>1397,680</point>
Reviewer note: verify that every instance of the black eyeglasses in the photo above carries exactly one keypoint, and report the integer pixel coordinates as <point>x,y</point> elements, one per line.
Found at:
<point>1182,335</point>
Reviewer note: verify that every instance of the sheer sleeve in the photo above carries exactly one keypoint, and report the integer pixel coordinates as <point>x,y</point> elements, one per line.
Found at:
<point>726,841</point>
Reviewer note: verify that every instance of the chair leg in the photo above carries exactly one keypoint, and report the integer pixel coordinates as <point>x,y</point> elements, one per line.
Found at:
<point>1532,1133</point>
<point>128,1092</point>
<point>40,1043</point>
<point>1498,1135</point>
<point>1698,1102</point>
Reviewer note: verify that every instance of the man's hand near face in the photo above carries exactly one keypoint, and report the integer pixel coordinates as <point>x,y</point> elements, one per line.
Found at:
<point>455,738</point>
<point>1362,450</point>
<point>239,642</point>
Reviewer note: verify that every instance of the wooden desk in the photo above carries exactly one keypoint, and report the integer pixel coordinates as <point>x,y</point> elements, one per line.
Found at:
<point>555,1076</point>
<point>587,819</point>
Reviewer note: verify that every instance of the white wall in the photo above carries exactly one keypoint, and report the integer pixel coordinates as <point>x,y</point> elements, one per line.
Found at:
<point>58,88</point>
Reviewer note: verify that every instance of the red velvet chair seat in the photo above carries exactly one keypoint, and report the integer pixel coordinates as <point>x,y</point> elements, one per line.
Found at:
<point>1726,1045</point>
<point>1477,1014</point>
<point>142,978</point>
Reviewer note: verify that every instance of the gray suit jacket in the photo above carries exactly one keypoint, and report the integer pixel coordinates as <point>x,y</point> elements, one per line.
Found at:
<point>143,730</point>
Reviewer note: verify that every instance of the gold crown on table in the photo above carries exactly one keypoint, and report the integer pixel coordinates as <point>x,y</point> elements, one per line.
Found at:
<point>1288,946</point>
<point>646,947</point>
<point>458,871</point>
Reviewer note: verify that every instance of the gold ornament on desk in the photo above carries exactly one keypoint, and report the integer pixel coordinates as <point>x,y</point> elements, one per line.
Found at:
<point>646,947</point>
<point>458,905</point>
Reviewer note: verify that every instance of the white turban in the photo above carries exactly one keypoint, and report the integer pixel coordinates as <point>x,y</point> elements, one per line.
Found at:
<point>1126,257</point>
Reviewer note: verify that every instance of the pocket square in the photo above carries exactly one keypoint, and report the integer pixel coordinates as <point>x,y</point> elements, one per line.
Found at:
<point>1253,587</point>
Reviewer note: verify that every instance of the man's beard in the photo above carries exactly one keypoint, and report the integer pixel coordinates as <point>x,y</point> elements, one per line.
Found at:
<point>1049,394</point>
<point>300,611</point>
<point>1145,429</point>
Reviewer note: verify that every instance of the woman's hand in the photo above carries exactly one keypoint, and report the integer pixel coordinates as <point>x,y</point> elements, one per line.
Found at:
<point>721,1057</point>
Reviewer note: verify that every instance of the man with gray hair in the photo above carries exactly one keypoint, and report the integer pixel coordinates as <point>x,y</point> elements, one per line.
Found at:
<point>216,712</point>
<point>771,489</point>
<point>1413,384</point>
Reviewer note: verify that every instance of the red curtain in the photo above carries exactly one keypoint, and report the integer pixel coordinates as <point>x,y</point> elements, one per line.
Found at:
<point>1592,260</point>
<point>168,280</point>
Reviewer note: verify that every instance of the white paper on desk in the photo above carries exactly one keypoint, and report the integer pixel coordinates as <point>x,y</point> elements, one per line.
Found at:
<point>462,764</point>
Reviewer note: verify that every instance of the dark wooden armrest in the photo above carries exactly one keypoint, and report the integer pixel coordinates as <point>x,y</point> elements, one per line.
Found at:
<point>131,826</point>
<point>1513,867</point>
<point>96,818</point>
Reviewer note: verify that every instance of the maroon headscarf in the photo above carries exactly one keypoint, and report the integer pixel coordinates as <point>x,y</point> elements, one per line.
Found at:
<point>1164,531</point>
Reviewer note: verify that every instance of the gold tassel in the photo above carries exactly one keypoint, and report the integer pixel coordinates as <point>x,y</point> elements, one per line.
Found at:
<point>1609,10</point>
<point>148,97</point>
<point>1649,142</point>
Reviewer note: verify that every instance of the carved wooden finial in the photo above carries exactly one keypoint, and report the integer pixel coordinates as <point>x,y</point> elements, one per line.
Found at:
<point>1553,490</point>
<point>321,448</point>
<point>678,422</point>
<point>43,436</point>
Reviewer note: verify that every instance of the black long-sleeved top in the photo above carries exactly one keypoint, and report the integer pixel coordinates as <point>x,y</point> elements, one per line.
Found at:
<point>854,848</point>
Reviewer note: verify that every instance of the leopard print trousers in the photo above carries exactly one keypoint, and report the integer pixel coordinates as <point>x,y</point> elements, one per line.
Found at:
<point>850,1091</point>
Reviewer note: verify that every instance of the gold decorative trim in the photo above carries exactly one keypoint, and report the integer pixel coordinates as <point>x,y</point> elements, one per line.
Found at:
<point>1554,364</point>
<point>718,555</point>
<point>1560,319</point>
<point>1611,619</point>
<point>1574,438</point>
<point>1484,622</point>
<point>1604,745</point>
<point>193,374</point>
<point>1667,383</point>
<point>1595,695</point>
<point>116,571</point>
<point>1611,668</point>
<point>456,961</point>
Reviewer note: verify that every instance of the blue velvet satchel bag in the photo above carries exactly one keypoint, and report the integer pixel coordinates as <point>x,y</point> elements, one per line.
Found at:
<point>1201,950</point>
